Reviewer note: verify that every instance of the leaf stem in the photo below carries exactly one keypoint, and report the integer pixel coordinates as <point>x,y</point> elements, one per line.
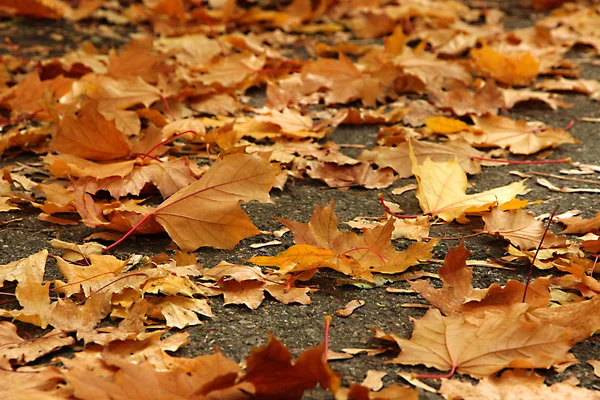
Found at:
<point>21,118</point>
<point>435,376</point>
<point>537,251</point>
<point>168,107</point>
<point>168,140</point>
<point>393,214</point>
<point>130,232</point>
<point>327,326</point>
<point>381,256</point>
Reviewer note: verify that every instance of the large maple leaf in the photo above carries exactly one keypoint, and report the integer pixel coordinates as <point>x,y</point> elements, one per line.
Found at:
<point>442,187</point>
<point>207,212</point>
<point>319,243</point>
<point>519,136</point>
<point>484,344</point>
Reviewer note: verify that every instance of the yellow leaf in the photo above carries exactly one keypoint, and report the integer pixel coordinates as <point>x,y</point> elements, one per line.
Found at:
<point>445,125</point>
<point>517,69</point>
<point>442,190</point>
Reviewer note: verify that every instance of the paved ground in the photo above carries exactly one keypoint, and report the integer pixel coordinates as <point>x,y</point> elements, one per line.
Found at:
<point>237,329</point>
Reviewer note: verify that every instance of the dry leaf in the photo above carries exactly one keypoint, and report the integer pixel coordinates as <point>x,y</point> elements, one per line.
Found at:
<point>15,350</point>
<point>349,309</point>
<point>207,212</point>
<point>517,384</point>
<point>271,372</point>
<point>520,228</point>
<point>482,345</point>
<point>321,244</point>
<point>90,135</point>
<point>442,187</point>
<point>516,69</point>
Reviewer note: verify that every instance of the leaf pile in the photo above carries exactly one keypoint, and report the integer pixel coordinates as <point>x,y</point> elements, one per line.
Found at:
<point>167,135</point>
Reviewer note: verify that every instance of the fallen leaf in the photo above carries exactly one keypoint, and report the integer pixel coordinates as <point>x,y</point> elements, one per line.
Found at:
<point>516,69</point>
<point>90,135</point>
<point>477,346</point>
<point>15,350</point>
<point>320,243</point>
<point>270,370</point>
<point>581,225</point>
<point>521,229</point>
<point>520,137</point>
<point>517,384</point>
<point>219,221</point>
<point>442,187</point>
<point>398,157</point>
<point>349,309</point>
<point>373,380</point>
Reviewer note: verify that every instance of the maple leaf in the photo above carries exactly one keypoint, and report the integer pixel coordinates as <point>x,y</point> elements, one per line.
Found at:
<point>242,284</point>
<point>29,93</point>
<point>117,377</point>
<point>16,350</point>
<point>442,185</point>
<point>347,252</point>
<point>526,383</point>
<point>462,101</point>
<point>90,135</point>
<point>168,177</point>
<point>66,165</point>
<point>32,267</point>
<point>520,228</point>
<point>458,295</point>
<point>271,372</point>
<point>34,297</point>
<point>343,79</point>
<point>482,345</point>
<point>517,69</point>
<point>398,157</point>
<point>179,311</point>
<point>520,137</point>
<point>33,383</point>
<point>581,225</point>
<point>100,269</point>
<point>207,212</point>
<point>345,176</point>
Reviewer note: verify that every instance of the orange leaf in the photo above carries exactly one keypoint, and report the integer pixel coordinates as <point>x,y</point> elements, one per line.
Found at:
<point>516,69</point>
<point>90,135</point>
<point>320,243</point>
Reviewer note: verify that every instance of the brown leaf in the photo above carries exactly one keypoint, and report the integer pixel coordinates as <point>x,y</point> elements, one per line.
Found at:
<point>482,345</point>
<point>398,157</point>
<point>526,383</point>
<point>90,135</point>
<point>343,79</point>
<point>581,225</point>
<point>348,252</point>
<point>521,229</point>
<point>207,212</point>
<point>519,136</point>
<point>242,284</point>
<point>346,176</point>
<point>349,308</point>
<point>458,295</point>
<point>15,350</point>
<point>271,371</point>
